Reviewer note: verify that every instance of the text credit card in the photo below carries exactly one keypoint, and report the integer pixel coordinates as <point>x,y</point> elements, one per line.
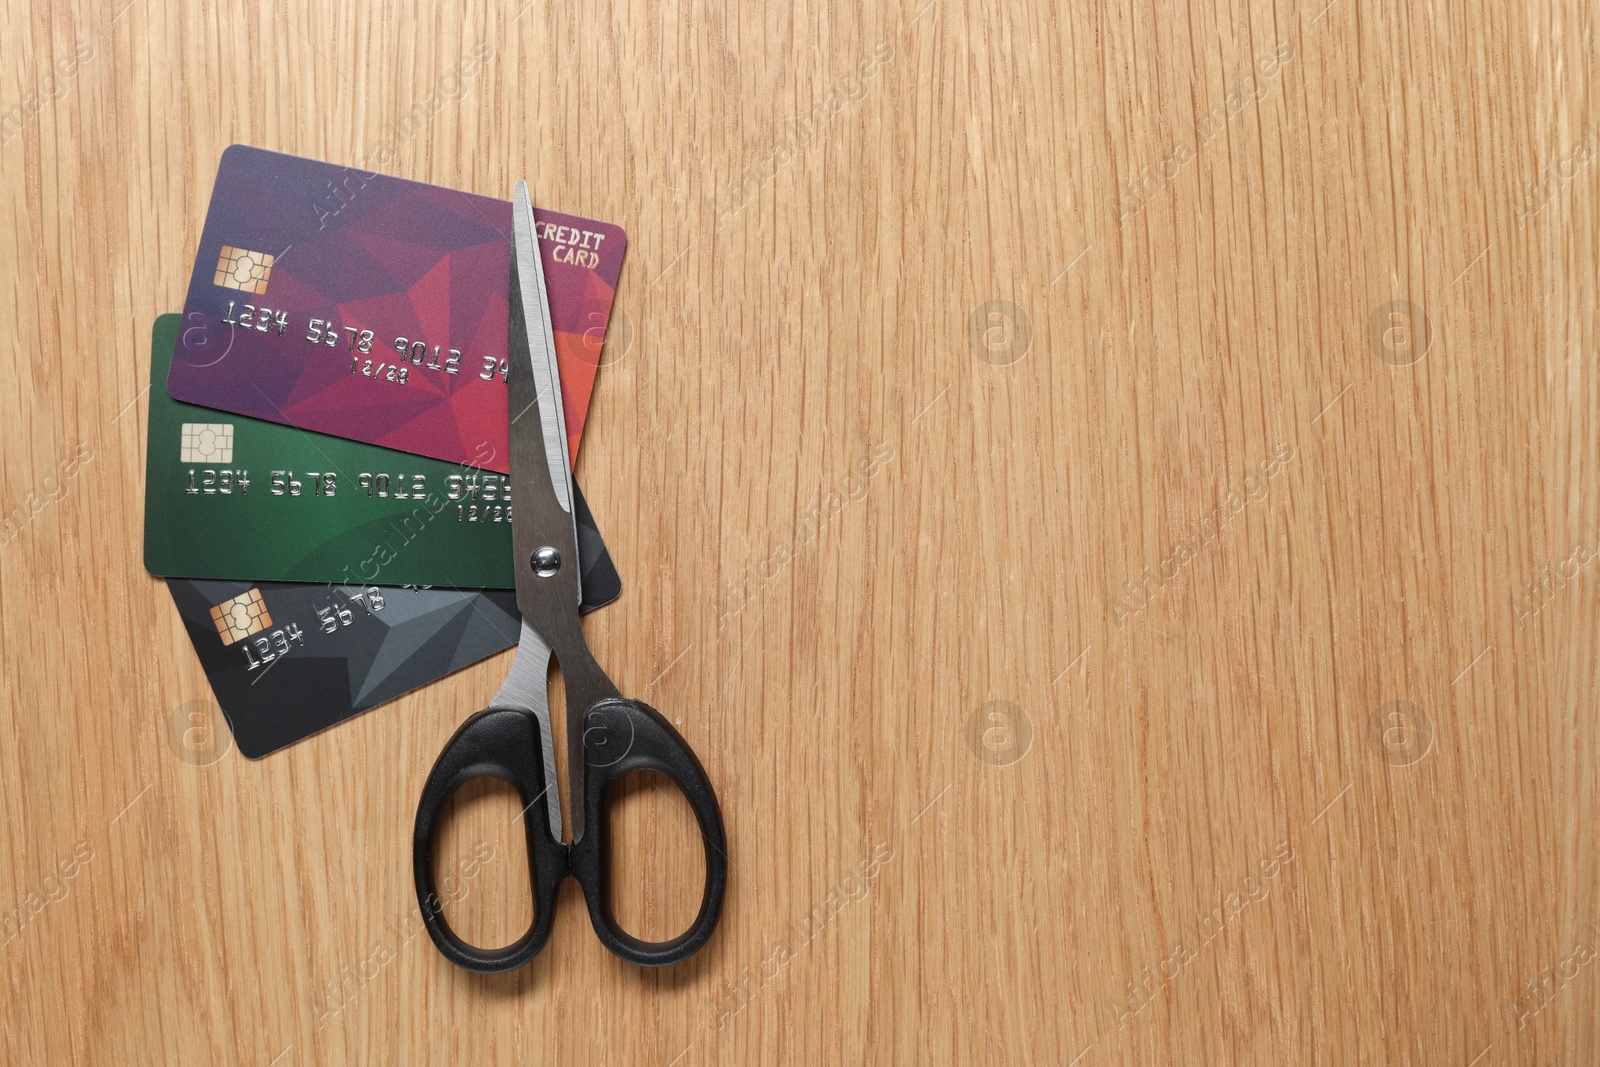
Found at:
<point>233,497</point>
<point>375,308</point>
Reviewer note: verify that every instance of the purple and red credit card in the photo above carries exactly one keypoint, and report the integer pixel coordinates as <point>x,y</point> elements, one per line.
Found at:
<point>375,308</point>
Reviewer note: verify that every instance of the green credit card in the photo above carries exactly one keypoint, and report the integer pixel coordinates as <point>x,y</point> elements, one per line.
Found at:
<point>239,498</point>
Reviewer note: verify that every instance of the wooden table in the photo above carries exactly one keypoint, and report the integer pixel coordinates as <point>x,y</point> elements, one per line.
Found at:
<point>1111,494</point>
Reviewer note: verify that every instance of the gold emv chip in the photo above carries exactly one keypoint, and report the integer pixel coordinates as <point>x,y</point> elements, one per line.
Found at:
<point>242,269</point>
<point>241,616</point>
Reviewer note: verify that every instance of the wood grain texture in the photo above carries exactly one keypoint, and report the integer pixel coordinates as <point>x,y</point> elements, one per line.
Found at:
<point>1027,499</point>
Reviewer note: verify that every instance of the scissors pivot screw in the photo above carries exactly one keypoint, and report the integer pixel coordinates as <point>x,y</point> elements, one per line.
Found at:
<point>545,561</point>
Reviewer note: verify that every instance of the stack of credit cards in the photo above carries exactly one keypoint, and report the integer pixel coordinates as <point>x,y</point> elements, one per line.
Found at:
<point>326,488</point>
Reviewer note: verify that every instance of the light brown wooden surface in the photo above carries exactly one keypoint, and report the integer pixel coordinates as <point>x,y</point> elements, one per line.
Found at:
<point>1199,711</point>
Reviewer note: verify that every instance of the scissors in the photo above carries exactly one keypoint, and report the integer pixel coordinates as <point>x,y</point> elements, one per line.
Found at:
<point>608,735</point>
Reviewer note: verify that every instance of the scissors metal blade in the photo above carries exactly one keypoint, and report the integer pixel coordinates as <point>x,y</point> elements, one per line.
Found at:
<point>544,534</point>
<point>535,363</point>
<point>527,688</point>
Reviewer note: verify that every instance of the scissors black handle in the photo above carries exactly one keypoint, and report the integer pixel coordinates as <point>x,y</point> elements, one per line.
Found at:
<point>619,736</point>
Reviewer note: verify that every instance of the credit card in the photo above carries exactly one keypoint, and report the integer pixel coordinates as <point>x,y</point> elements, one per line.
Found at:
<point>233,497</point>
<point>289,660</point>
<point>375,308</point>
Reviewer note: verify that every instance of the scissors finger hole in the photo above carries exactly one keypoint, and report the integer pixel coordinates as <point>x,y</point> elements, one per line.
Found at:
<point>480,863</point>
<point>655,862</point>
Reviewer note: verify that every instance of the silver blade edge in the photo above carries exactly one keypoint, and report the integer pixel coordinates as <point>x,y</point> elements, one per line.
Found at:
<point>542,355</point>
<point>527,688</point>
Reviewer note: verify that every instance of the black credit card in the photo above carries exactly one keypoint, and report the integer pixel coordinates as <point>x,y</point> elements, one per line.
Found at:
<point>288,659</point>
